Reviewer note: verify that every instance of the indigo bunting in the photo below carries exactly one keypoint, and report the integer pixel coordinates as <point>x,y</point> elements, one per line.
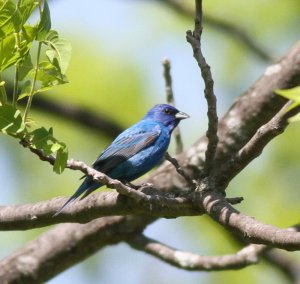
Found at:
<point>136,150</point>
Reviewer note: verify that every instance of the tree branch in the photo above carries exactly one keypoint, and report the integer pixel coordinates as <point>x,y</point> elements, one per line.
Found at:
<point>194,38</point>
<point>170,100</point>
<point>64,246</point>
<point>189,261</point>
<point>247,227</point>
<point>102,204</point>
<point>192,183</point>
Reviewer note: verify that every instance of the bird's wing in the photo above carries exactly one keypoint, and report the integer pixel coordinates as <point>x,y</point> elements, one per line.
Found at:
<point>124,147</point>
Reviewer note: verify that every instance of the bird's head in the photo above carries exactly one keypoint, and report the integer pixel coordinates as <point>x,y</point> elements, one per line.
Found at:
<point>166,114</point>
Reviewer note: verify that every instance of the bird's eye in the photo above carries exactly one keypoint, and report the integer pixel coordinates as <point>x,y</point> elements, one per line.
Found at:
<point>167,111</point>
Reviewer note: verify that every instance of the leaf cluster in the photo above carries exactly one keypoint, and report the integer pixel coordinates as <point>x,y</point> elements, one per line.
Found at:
<point>33,74</point>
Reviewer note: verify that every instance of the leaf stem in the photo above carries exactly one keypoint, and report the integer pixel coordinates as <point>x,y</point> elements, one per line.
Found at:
<point>40,3</point>
<point>17,67</point>
<point>33,82</point>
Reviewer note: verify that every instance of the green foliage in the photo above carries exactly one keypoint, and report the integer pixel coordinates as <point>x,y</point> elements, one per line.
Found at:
<point>294,95</point>
<point>59,52</point>
<point>45,23</point>
<point>11,122</point>
<point>10,18</point>
<point>16,40</point>
<point>43,139</point>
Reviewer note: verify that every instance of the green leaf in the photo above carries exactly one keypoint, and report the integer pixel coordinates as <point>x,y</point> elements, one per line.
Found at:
<point>10,18</point>
<point>55,147</point>
<point>43,139</point>
<point>49,76</point>
<point>61,161</point>
<point>45,23</point>
<point>59,53</point>
<point>26,7</point>
<point>11,121</point>
<point>13,16</point>
<point>8,56</point>
<point>291,94</point>
<point>7,8</point>
<point>29,33</point>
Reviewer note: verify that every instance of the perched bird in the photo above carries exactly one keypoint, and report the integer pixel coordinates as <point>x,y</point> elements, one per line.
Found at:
<point>136,150</point>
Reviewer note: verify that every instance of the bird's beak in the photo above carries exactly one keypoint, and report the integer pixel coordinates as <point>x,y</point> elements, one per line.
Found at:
<point>181,115</point>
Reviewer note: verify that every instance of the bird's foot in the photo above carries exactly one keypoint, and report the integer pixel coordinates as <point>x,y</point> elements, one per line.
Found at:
<point>136,187</point>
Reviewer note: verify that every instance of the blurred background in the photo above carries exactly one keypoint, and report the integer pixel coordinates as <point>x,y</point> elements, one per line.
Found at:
<point>116,70</point>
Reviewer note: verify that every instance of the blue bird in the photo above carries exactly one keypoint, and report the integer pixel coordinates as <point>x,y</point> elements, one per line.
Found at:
<point>136,150</point>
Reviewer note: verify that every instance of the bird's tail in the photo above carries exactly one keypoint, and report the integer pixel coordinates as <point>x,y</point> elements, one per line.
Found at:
<point>87,186</point>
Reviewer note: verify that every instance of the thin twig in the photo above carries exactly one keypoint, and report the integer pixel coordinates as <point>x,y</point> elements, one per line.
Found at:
<point>97,176</point>
<point>190,261</point>
<point>41,6</point>
<point>32,90</point>
<point>17,70</point>
<point>194,38</point>
<point>192,183</point>
<point>170,99</point>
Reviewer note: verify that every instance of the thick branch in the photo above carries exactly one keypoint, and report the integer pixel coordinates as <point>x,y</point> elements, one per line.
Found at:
<point>30,216</point>
<point>247,227</point>
<point>64,246</point>
<point>189,261</point>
